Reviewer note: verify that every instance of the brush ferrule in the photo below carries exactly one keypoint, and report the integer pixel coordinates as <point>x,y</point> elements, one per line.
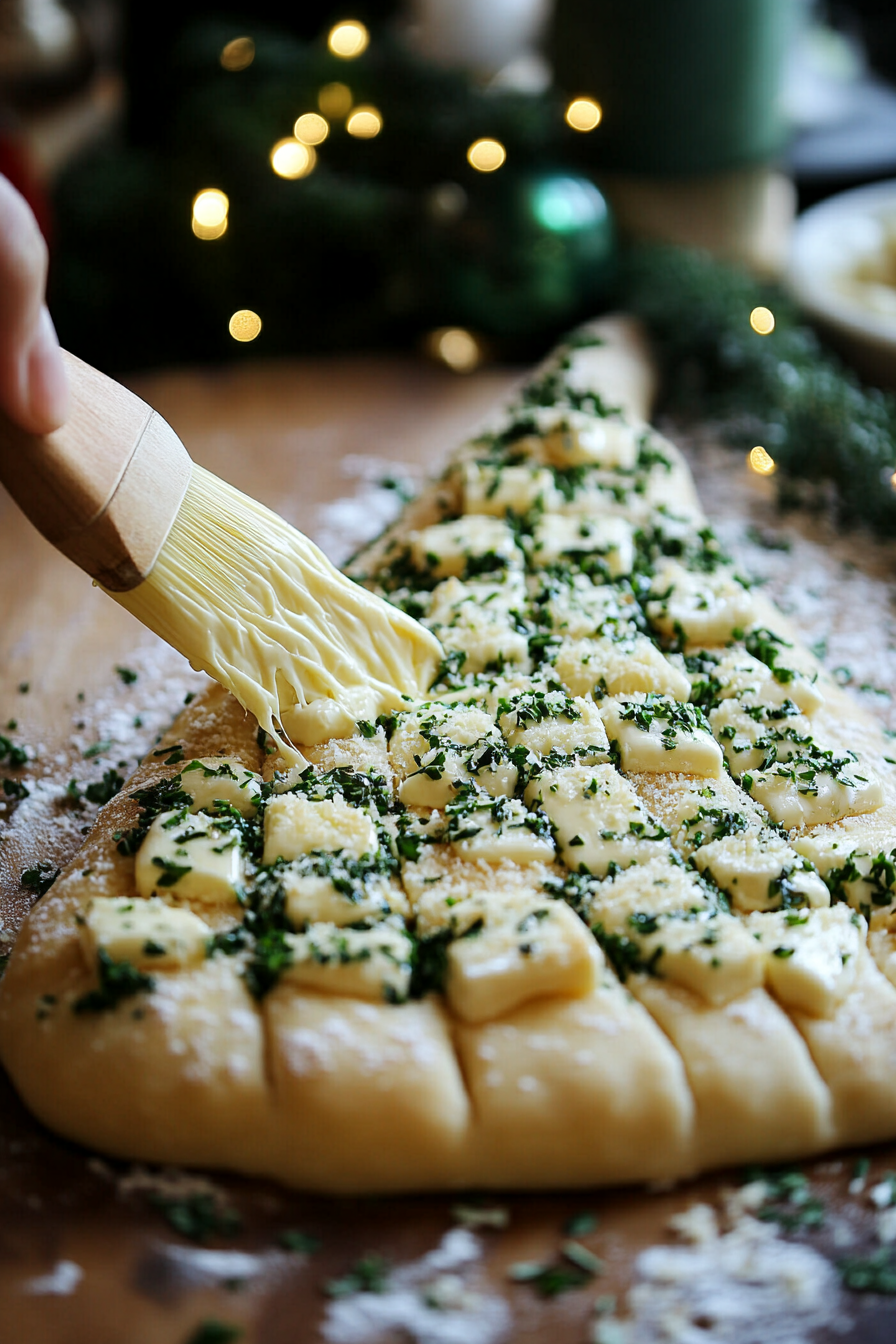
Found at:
<point>106,488</point>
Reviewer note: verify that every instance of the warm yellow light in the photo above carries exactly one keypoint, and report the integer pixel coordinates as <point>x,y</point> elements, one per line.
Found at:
<point>762,320</point>
<point>290,158</point>
<point>210,207</point>
<point>208,232</point>
<point>486,155</point>
<point>244,325</point>
<point>238,53</point>
<point>893,481</point>
<point>364,123</point>
<point>335,101</point>
<point>583,114</point>
<point>761,462</point>
<point>348,39</point>
<point>454,346</point>
<point>311,128</point>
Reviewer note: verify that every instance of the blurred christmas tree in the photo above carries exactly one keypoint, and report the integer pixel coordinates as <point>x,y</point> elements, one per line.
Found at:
<point>375,221</point>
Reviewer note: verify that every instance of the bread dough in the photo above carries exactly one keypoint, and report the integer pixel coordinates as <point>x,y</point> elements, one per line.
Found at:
<point>528,932</point>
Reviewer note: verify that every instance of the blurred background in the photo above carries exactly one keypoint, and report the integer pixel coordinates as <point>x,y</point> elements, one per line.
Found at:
<point>225,180</point>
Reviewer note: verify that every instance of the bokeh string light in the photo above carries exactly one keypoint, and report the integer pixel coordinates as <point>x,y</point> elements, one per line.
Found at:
<point>486,155</point>
<point>762,320</point>
<point>244,325</point>
<point>291,159</point>
<point>348,39</point>
<point>364,123</point>
<point>311,128</point>
<point>583,114</point>
<point>210,211</point>
<point>456,347</point>
<point>761,461</point>
<point>335,100</point>
<point>238,54</point>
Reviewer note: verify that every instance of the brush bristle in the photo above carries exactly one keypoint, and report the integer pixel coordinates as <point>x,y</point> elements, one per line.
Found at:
<point>255,604</point>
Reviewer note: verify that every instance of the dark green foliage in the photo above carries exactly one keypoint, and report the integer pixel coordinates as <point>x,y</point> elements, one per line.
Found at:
<point>783,390</point>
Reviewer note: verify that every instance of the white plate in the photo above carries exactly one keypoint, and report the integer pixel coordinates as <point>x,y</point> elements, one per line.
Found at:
<point>829,241</point>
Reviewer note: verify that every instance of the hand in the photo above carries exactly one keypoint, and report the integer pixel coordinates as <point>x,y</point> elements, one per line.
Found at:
<point>33,386</point>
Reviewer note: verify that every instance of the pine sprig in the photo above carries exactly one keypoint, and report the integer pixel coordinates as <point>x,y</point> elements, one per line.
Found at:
<point>785,391</point>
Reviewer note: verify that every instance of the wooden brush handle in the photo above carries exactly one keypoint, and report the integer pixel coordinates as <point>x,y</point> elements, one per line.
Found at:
<point>106,487</point>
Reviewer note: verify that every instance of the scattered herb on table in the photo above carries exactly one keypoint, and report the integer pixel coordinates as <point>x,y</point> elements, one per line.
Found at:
<point>549,1280</point>
<point>198,1217</point>
<point>789,1200</point>
<point>874,1274</point>
<point>303,1243</point>
<point>40,878</point>
<point>97,749</point>
<point>213,1331</point>
<point>370,1274</point>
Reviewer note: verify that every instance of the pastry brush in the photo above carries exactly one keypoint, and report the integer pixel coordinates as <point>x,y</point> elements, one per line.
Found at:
<point>242,594</point>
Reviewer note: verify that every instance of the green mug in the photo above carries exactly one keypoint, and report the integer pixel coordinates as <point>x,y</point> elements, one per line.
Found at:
<point>685,86</point>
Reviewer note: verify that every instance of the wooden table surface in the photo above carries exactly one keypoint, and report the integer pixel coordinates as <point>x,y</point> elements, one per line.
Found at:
<point>85,1257</point>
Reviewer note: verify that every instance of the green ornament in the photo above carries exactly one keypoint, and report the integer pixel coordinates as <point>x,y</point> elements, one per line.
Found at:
<point>526,254</point>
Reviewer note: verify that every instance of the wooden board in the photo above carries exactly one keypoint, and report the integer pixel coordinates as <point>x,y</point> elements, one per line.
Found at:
<point>85,1256</point>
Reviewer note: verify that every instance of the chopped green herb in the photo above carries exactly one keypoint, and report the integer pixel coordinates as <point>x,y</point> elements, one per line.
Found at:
<point>581,1224</point>
<point>370,1274</point>
<point>789,1200</point>
<point>163,796</point>
<point>875,1274</point>
<point>303,1243</point>
<point>11,753</point>
<point>430,964</point>
<point>171,872</point>
<point>40,878</point>
<point>97,749</point>
<point>117,980</point>
<point>213,1331</point>
<point>103,790</point>
<point>271,955</point>
<point>474,1216</point>
<point>580,1256</point>
<point>126,675</point>
<point>198,1217</point>
<point>551,1280</point>
<point>229,942</point>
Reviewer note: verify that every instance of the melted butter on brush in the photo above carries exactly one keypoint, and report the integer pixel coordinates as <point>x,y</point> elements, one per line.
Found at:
<point>255,604</point>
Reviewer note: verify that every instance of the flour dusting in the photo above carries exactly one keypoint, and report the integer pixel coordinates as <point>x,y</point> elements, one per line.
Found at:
<point>744,1286</point>
<point>61,1281</point>
<point>435,1300</point>
<point>381,487</point>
